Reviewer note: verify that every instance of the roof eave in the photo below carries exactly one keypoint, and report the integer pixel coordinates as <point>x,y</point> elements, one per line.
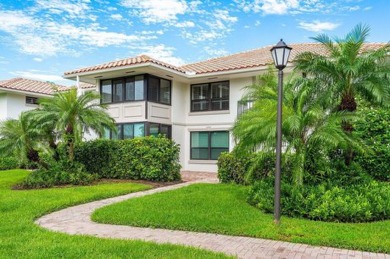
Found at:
<point>24,92</point>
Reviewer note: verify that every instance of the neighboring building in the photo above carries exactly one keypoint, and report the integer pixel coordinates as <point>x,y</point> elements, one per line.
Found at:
<point>195,104</point>
<point>21,94</point>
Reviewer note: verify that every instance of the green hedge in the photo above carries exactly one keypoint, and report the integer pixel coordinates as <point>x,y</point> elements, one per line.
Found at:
<point>355,203</point>
<point>7,163</point>
<point>246,168</point>
<point>148,158</point>
<point>374,129</point>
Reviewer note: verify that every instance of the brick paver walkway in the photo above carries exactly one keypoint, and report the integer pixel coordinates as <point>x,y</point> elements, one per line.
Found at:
<point>77,220</point>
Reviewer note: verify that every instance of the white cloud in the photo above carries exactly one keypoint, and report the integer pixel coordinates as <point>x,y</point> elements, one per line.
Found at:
<point>38,59</point>
<point>186,24</point>
<point>317,26</point>
<point>157,11</point>
<point>73,8</point>
<point>283,7</point>
<point>163,53</point>
<point>117,17</point>
<point>42,76</point>
<point>212,52</point>
<point>37,37</point>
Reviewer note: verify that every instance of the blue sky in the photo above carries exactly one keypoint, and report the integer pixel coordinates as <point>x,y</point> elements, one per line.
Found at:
<point>41,39</point>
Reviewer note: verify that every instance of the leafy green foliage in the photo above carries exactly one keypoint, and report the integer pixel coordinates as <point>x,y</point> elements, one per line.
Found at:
<point>60,172</point>
<point>147,158</point>
<point>306,123</point>
<point>8,162</point>
<point>374,129</point>
<point>70,116</point>
<point>238,168</point>
<point>326,202</point>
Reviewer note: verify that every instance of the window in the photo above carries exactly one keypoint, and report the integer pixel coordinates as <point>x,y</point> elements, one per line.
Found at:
<point>243,106</point>
<point>159,90</point>
<point>139,129</point>
<point>118,90</point>
<point>133,89</point>
<point>31,100</point>
<point>210,97</point>
<point>209,145</point>
<point>106,91</point>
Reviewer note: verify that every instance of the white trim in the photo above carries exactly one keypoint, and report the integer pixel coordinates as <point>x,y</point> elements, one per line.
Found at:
<point>209,162</point>
<point>209,128</point>
<point>202,113</point>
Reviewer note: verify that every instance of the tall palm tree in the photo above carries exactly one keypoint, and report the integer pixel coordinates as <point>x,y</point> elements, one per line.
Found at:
<point>20,137</point>
<point>306,124</point>
<point>348,71</point>
<point>74,116</point>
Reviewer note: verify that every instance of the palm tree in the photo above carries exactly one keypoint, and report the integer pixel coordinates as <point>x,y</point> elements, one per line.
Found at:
<point>20,137</point>
<point>306,124</point>
<point>348,71</point>
<point>74,116</point>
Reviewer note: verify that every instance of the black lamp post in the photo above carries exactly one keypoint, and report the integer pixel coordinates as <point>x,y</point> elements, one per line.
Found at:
<point>280,54</point>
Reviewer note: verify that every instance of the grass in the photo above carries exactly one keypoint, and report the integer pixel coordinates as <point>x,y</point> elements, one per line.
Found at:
<point>222,209</point>
<point>21,238</point>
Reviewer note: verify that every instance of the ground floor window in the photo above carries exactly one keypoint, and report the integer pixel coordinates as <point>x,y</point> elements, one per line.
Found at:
<point>139,129</point>
<point>208,145</point>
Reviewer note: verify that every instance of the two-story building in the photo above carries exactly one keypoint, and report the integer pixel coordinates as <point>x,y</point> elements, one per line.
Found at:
<point>195,104</point>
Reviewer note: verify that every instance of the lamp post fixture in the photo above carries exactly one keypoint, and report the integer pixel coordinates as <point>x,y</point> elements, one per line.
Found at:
<point>280,54</point>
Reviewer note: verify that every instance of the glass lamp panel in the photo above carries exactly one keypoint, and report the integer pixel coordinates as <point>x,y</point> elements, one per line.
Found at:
<point>279,56</point>
<point>199,139</point>
<point>286,55</point>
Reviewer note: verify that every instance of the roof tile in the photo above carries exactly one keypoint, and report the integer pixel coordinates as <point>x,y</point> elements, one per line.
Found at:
<point>29,85</point>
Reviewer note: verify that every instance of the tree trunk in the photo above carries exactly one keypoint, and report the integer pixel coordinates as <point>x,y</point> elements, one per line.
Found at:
<point>348,103</point>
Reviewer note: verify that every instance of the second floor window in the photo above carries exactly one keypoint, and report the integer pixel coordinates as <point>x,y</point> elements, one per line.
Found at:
<point>210,96</point>
<point>136,88</point>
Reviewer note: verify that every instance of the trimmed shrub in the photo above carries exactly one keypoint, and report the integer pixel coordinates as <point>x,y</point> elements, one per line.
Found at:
<point>7,163</point>
<point>247,168</point>
<point>59,173</point>
<point>233,168</point>
<point>374,129</point>
<point>325,202</point>
<point>148,158</point>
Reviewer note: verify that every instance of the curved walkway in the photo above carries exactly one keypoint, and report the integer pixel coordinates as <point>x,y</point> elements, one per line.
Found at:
<point>77,220</point>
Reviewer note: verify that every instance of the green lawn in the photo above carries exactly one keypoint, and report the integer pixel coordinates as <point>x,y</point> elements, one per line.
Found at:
<point>21,238</point>
<point>222,209</point>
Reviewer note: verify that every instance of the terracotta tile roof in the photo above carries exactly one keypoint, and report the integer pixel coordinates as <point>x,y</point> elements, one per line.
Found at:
<point>244,60</point>
<point>258,58</point>
<point>143,59</point>
<point>86,85</point>
<point>29,85</point>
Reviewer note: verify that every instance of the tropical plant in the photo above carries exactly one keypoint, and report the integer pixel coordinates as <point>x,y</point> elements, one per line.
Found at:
<point>20,137</point>
<point>73,115</point>
<point>306,124</point>
<point>347,70</point>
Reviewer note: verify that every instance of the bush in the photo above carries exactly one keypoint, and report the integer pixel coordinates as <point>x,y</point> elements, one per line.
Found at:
<point>148,158</point>
<point>7,163</point>
<point>247,168</point>
<point>233,168</point>
<point>355,203</point>
<point>374,129</point>
<point>59,173</point>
